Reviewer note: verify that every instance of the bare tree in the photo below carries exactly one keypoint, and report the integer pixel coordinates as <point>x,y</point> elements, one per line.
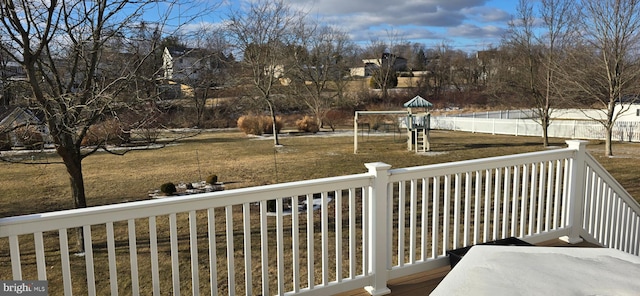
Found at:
<point>535,49</point>
<point>346,59</point>
<point>385,63</point>
<point>418,60</point>
<point>143,44</point>
<point>440,66</point>
<point>204,66</point>
<point>489,65</point>
<point>320,68</point>
<point>558,18</point>
<point>72,53</point>
<point>5,74</point>
<point>604,61</point>
<point>263,31</point>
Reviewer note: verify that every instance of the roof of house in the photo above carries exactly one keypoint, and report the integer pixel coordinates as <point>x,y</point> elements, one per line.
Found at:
<point>10,115</point>
<point>629,99</point>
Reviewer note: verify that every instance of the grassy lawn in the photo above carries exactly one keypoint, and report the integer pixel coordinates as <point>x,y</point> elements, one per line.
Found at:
<point>239,161</point>
<point>242,161</point>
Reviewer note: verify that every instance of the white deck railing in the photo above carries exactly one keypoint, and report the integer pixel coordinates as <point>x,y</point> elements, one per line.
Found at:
<point>610,216</point>
<point>367,229</point>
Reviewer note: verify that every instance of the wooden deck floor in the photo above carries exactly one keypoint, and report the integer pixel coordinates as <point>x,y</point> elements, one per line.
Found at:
<point>425,282</point>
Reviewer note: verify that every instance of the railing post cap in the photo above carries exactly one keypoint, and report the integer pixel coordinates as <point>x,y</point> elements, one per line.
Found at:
<point>576,144</point>
<point>377,166</point>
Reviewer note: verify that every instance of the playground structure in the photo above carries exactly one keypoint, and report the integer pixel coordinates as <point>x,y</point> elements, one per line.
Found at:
<point>357,116</point>
<point>417,125</point>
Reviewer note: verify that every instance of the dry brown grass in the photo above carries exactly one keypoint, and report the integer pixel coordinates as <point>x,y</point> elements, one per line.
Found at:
<point>240,161</point>
<point>243,161</point>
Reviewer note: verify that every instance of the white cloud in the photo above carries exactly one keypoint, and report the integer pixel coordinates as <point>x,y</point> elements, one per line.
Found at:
<point>424,19</point>
<point>487,14</point>
<point>381,6</point>
<point>473,31</point>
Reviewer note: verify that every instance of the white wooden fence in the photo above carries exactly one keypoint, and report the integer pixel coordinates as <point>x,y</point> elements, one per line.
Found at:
<point>569,129</point>
<point>370,228</point>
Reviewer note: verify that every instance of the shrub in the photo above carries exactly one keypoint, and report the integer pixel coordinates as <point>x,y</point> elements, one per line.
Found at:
<point>335,117</point>
<point>307,124</point>
<point>258,124</point>
<point>250,125</point>
<point>29,137</point>
<point>212,179</point>
<point>269,125</point>
<point>107,132</point>
<point>168,188</point>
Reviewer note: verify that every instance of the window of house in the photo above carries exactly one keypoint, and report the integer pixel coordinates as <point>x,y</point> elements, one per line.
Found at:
<point>637,112</point>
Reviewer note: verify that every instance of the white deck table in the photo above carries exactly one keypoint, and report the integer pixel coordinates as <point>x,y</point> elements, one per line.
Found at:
<point>518,270</point>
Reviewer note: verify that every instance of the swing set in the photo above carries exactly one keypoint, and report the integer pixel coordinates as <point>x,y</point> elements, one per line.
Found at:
<point>417,125</point>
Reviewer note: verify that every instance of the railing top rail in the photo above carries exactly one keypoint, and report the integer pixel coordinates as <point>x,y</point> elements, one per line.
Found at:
<point>142,209</point>
<point>480,164</point>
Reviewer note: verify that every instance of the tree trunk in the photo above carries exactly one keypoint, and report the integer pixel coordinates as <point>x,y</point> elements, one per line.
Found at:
<point>545,130</point>
<point>73,162</point>
<point>201,105</point>
<point>611,106</point>
<point>608,149</point>
<point>77,183</point>
<point>319,116</point>
<point>276,141</point>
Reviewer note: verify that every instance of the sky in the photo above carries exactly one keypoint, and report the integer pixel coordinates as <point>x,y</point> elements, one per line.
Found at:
<point>468,25</point>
